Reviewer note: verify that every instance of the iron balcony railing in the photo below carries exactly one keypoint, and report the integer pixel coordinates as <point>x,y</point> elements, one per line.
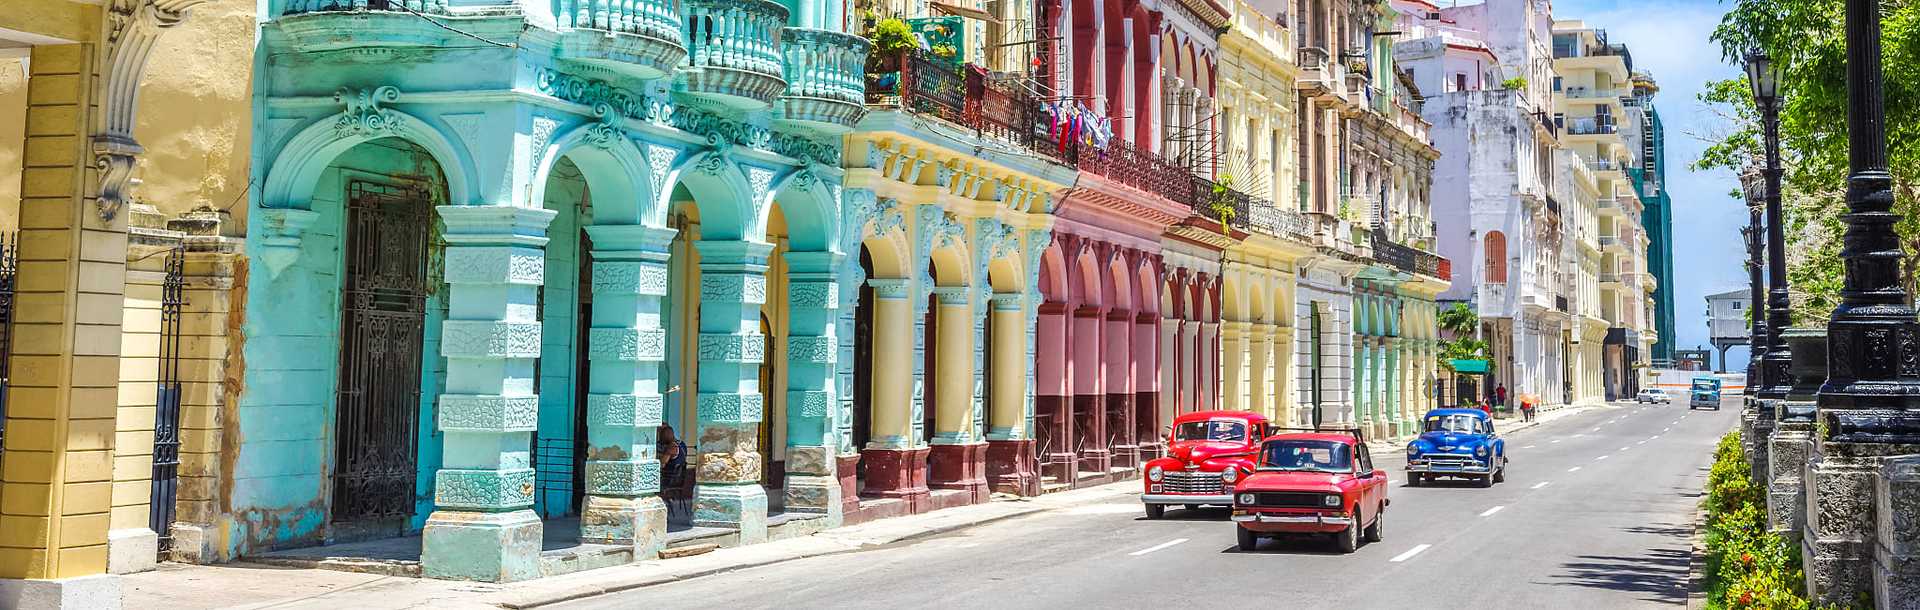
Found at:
<point>1409,259</point>
<point>1588,126</point>
<point>965,97</point>
<point>427,7</point>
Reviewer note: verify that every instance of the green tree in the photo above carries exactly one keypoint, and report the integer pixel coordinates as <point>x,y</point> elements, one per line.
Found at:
<point>1461,321</point>
<point>1806,38</point>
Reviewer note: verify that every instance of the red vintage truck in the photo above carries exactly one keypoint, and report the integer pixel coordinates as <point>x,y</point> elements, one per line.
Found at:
<point>1314,483</point>
<point>1207,452</point>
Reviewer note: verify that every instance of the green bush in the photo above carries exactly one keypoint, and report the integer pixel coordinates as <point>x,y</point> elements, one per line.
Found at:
<point>1748,566</point>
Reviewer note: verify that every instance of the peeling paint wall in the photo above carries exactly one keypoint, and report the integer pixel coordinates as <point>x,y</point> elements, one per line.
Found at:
<point>196,110</point>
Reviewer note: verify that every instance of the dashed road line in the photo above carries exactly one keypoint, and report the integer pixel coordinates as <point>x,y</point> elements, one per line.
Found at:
<point>1157,547</point>
<point>1574,469</point>
<point>1625,448</point>
<point>1554,441</point>
<point>1527,447</point>
<point>1540,484</point>
<point>1601,458</point>
<point>1491,511</point>
<point>1410,553</point>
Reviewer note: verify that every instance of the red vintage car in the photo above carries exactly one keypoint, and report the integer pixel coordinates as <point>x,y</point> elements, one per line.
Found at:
<point>1312,483</point>
<point>1207,452</point>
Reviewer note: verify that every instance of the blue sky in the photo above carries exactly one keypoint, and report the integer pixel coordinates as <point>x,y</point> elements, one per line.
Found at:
<point>1669,39</point>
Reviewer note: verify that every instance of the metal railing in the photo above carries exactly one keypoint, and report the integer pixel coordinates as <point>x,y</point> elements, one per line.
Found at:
<point>651,18</point>
<point>429,7</point>
<point>999,109</point>
<point>9,279</point>
<point>165,487</point>
<point>1588,126</point>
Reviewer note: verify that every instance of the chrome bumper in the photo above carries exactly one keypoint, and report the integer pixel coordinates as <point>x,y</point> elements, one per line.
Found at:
<point>1422,467</point>
<point>1184,499</point>
<point>1294,519</point>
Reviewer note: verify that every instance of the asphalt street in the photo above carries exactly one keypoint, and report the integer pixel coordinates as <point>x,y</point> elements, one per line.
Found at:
<point>1595,512</point>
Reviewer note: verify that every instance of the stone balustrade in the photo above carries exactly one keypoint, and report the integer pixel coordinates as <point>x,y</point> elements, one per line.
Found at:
<point>639,38</point>
<point>826,78</point>
<point>734,52</point>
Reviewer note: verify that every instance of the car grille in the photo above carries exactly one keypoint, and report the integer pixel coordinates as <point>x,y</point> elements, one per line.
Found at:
<point>1194,483</point>
<point>1450,460</point>
<point>1291,499</point>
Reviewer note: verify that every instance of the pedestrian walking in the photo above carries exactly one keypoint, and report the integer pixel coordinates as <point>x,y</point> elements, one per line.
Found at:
<point>1500,396</point>
<point>1527,403</point>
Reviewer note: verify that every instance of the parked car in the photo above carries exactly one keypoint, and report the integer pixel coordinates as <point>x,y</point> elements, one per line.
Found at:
<point>1653,396</point>
<point>1314,483</point>
<point>1207,452</point>
<point>1457,443</point>
<point>1705,393</point>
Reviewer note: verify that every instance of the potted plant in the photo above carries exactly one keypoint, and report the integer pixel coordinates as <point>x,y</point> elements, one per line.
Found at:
<point>891,38</point>
<point>1220,201</point>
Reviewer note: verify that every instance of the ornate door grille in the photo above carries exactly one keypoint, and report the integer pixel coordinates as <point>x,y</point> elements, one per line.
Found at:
<point>9,270</point>
<point>383,302</point>
<point>166,414</point>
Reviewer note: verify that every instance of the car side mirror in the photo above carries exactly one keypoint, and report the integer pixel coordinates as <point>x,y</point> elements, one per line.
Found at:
<point>1367,474</point>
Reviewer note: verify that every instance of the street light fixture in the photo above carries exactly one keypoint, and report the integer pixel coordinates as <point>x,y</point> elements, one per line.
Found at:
<point>1776,377</point>
<point>1753,185</point>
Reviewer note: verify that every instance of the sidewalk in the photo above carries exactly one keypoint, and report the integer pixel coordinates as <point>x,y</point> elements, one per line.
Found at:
<point>256,586</point>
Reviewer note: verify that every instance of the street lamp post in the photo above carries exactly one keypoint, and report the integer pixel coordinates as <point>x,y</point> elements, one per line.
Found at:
<point>1868,411</point>
<point>1751,184</point>
<point>1775,367</point>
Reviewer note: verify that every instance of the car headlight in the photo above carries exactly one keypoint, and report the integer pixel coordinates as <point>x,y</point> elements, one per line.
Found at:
<point>1413,450</point>
<point>1331,500</point>
<point>1155,474</point>
<point>1480,451</point>
<point>1230,475</point>
<point>1245,499</point>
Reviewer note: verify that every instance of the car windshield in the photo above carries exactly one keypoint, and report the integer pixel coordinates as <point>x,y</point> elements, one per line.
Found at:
<point>1656,392</point>
<point>1325,456</point>
<point>1455,424</point>
<point>1706,384</point>
<point>1227,430</point>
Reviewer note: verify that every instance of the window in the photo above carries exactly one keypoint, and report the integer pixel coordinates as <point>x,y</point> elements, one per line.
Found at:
<point>1496,258</point>
<point>1229,430</point>
<point>1737,306</point>
<point>1459,81</point>
<point>1457,424</point>
<point>1324,456</point>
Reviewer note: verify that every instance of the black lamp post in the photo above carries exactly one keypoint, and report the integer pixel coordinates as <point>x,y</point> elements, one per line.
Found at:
<point>1752,184</point>
<point>1776,366</point>
<point>1872,392</point>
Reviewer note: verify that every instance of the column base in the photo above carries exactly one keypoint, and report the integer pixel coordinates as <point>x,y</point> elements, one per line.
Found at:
<point>1011,468</point>
<point>1126,456</point>
<point>848,472</point>
<point>808,483</point>
<point>962,467</point>
<point>1096,461</point>
<point>95,592</point>
<point>898,473</point>
<point>637,522</point>
<point>1838,545</point>
<point>1896,558</point>
<point>486,547</point>
<point>740,507</point>
<point>131,550</point>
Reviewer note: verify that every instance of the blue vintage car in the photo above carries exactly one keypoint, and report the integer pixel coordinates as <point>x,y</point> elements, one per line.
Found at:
<point>1457,443</point>
<point>1705,393</point>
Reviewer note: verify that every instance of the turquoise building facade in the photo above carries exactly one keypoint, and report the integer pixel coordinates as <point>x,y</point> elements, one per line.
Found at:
<point>497,246</point>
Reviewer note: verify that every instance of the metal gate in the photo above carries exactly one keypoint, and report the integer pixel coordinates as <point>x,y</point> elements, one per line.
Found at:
<point>9,270</point>
<point>166,414</point>
<point>383,301</point>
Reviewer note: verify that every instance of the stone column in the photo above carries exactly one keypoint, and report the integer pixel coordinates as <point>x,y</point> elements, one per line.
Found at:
<point>733,286</point>
<point>625,347</point>
<point>957,459</point>
<point>1207,367</point>
<point>1146,385</point>
<point>1010,446</point>
<point>812,483</point>
<point>213,270</point>
<point>1117,411</point>
<point>483,526</point>
<point>1896,557</point>
<point>132,543</point>
<point>1260,348</point>
<point>1792,437</point>
<point>1284,399</point>
<point>892,452</point>
<point>1233,365</point>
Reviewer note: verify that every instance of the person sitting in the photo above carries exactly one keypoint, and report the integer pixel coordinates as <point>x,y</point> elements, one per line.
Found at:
<point>674,480</point>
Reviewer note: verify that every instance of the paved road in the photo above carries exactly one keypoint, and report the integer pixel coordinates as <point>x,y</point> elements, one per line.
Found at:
<point>1595,513</point>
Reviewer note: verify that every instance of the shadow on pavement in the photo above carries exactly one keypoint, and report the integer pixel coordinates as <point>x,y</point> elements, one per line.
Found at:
<point>1660,575</point>
<point>1305,544</point>
<point>1208,513</point>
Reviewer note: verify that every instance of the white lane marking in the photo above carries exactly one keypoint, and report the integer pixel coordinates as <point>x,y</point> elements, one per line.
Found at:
<point>1491,511</point>
<point>1574,469</point>
<point>1641,442</point>
<point>1625,448</point>
<point>1410,553</point>
<point>1597,428</point>
<point>1666,429</point>
<point>1653,437</point>
<point>1527,447</point>
<point>1157,547</point>
<point>1601,458</point>
<point>1554,441</point>
<point>1540,484</point>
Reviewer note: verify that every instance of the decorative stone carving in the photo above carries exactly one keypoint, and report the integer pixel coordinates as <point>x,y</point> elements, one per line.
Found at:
<point>626,410</point>
<point>733,288</point>
<point>743,348</point>
<point>364,116</point>
<point>489,339</point>
<point>630,277</point>
<point>623,478</point>
<point>484,490</point>
<point>605,130</point>
<point>133,26</point>
<point>495,265</point>
<point>730,407</point>
<point>810,403</point>
<point>483,413</point>
<point>627,344</point>
<point>811,349</point>
<point>813,295</point>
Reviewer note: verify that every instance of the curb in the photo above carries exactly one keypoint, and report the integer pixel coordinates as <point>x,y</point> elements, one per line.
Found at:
<point>1697,559</point>
<point>659,572</point>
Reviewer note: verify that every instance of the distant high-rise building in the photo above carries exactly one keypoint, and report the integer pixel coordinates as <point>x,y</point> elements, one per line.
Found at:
<point>1650,178</point>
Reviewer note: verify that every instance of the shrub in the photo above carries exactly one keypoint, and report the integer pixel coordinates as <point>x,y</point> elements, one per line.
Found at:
<point>1748,566</point>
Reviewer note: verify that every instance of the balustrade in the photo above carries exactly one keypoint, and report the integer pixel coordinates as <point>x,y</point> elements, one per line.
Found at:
<point>639,38</point>
<point>431,7</point>
<point>733,51</point>
<point>825,73</point>
<point>969,98</point>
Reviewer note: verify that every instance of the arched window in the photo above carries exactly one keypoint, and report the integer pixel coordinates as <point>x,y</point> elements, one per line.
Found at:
<point>1496,258</point>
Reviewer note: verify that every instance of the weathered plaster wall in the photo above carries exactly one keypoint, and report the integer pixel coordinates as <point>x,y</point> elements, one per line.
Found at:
<point>196,112</point>
<point>13,129</point>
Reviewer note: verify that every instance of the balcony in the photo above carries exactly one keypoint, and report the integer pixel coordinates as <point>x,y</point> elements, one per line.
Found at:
<point>925,85</point>
<point>1609,278</point>
<point>1612,242</point>
<point>1257,214</point>
<point>1316,71</point>
<point>1606,166</point>
<point>1409,259</point>
<point>826,79</point>
<point>642,39</point>
<point>1609,205</point>
<point>325,25</point>
<point>1591,126</point>
<point>1127,163</point>
<point>1589,93</point>
<point>733,52</point>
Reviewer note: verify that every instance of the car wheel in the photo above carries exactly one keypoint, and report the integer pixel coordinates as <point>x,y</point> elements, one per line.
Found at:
<point>1413,480</point>
<point>1487,481</point>
<point>1156,511</point>
<point>1349,539</point>
<point>1500,476</point>
<point>1248,539</point>
<point>1373,530</point>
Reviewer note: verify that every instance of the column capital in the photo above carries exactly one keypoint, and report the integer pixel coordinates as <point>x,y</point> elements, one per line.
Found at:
<point>732,252</point>
<point>619,242</point>
<point>495,225</point>
<point>891,288</point>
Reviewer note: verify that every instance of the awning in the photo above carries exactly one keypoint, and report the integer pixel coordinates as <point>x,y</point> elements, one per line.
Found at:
<point>1470,367</point>
<point>970,13</point>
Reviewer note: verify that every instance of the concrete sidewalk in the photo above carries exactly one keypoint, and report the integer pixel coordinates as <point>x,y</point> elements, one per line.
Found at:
<point>257,586</point>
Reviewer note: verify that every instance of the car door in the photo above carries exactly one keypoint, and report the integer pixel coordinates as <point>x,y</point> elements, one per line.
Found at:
<point>1369,487</point>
